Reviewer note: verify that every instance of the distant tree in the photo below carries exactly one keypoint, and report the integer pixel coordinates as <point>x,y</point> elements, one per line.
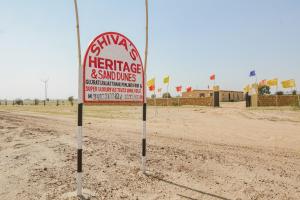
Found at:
<point>279,93</point>
<point>153,96</point>
<point>36,102</point>
<point>264,89</point>
<point>294,92</point>
<point>166,95</point>
<point>71,100</point>
<point>19,101</point>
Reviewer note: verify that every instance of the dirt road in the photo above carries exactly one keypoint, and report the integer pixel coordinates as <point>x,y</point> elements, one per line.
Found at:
<point>227,153</point>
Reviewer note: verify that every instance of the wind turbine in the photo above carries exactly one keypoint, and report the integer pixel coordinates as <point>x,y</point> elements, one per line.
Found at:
<point>46,87</point>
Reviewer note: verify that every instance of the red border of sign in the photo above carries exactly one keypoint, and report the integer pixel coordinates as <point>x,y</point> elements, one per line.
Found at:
<point>83,78</point>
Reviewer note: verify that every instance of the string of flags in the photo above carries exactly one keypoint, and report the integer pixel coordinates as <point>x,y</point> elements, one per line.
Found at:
<point>291,83</point>
<point>166,81</point>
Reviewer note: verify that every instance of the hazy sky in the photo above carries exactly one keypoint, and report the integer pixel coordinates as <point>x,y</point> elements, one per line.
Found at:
<point>189,40</point>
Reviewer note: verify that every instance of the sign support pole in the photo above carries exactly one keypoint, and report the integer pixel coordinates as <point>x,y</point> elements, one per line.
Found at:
<point>155,103</point>
<point>145,98</point>
<point>80,108</point>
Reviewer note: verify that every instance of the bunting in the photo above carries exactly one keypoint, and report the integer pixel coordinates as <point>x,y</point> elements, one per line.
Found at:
<point>189,89</point>
<point>288,83</point>
<point>152,88</point>
<point>166,79</point>
<point>273,82</point>
<point>178,88</point>
<point>151,82</point>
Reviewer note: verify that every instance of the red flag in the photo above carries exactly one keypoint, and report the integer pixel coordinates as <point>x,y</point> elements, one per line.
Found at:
<point>152,87</point>
<point>178,88</point>
<point>189,89</point>
<point>263,82</point>
<point>212,77</point>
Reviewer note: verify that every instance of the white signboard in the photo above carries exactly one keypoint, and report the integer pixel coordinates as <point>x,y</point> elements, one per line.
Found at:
<point>112,70</point>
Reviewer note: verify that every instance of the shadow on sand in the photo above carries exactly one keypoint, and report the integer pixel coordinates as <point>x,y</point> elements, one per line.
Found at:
<point>185,187</point>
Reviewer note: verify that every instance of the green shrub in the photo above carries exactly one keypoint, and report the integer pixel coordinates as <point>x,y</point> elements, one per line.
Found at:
<point>71,100</point>
<point>264,89</point>
<point>19,102</point>
<point>166,95</point>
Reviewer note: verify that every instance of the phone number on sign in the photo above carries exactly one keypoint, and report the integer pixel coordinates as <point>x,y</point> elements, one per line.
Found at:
<point>114,96</point>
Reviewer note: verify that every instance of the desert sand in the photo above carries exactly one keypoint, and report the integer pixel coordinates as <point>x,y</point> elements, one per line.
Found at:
<point>227,153</point>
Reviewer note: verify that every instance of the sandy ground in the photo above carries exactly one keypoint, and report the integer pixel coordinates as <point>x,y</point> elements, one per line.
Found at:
<point>228,153</point>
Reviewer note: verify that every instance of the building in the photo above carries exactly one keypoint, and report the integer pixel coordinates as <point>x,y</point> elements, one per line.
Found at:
<point>225,95</point>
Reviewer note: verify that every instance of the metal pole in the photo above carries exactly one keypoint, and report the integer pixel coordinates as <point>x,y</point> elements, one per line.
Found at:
<point>46,82</point>
<point>145,99</point>
<point>80,108</point>
<point>168,92</point>
<point>155,103</point>
<point>276,95</point>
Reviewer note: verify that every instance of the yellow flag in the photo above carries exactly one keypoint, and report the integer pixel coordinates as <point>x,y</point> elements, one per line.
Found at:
<point>288,83</point>
<point>151,82</point>
<point>273,82</point>
<point>166,79</point>
<point>247,89</point>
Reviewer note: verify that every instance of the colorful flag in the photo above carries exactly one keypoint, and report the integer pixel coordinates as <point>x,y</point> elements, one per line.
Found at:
<point>212,77</point>
<point>178,88</point>
<point>166,79</point>
<point>151,82</point>
<point>273,82</point>
<point>159,90</point>
<point>152,88</point>
<point>247,89</point>
<point>189,89</point>
<point>288,83</point>
<point>263,82</point>
<point>252,73</point>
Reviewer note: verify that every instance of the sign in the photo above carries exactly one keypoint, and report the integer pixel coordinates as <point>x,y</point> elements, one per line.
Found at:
<point>112,70</point>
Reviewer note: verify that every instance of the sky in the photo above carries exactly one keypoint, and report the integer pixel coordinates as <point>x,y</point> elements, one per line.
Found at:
<point>188,40</point>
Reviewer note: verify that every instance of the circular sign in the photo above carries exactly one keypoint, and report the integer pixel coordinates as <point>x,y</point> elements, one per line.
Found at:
<point>112,70</point>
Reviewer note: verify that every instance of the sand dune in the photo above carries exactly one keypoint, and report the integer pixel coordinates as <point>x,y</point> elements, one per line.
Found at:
<point>193,153</point>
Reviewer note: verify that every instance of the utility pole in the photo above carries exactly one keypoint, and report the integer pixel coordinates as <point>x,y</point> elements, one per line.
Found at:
<point>46,87</point>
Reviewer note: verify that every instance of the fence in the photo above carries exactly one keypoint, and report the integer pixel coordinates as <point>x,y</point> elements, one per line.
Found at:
<point>203,101</point>
<point>278,100</point>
